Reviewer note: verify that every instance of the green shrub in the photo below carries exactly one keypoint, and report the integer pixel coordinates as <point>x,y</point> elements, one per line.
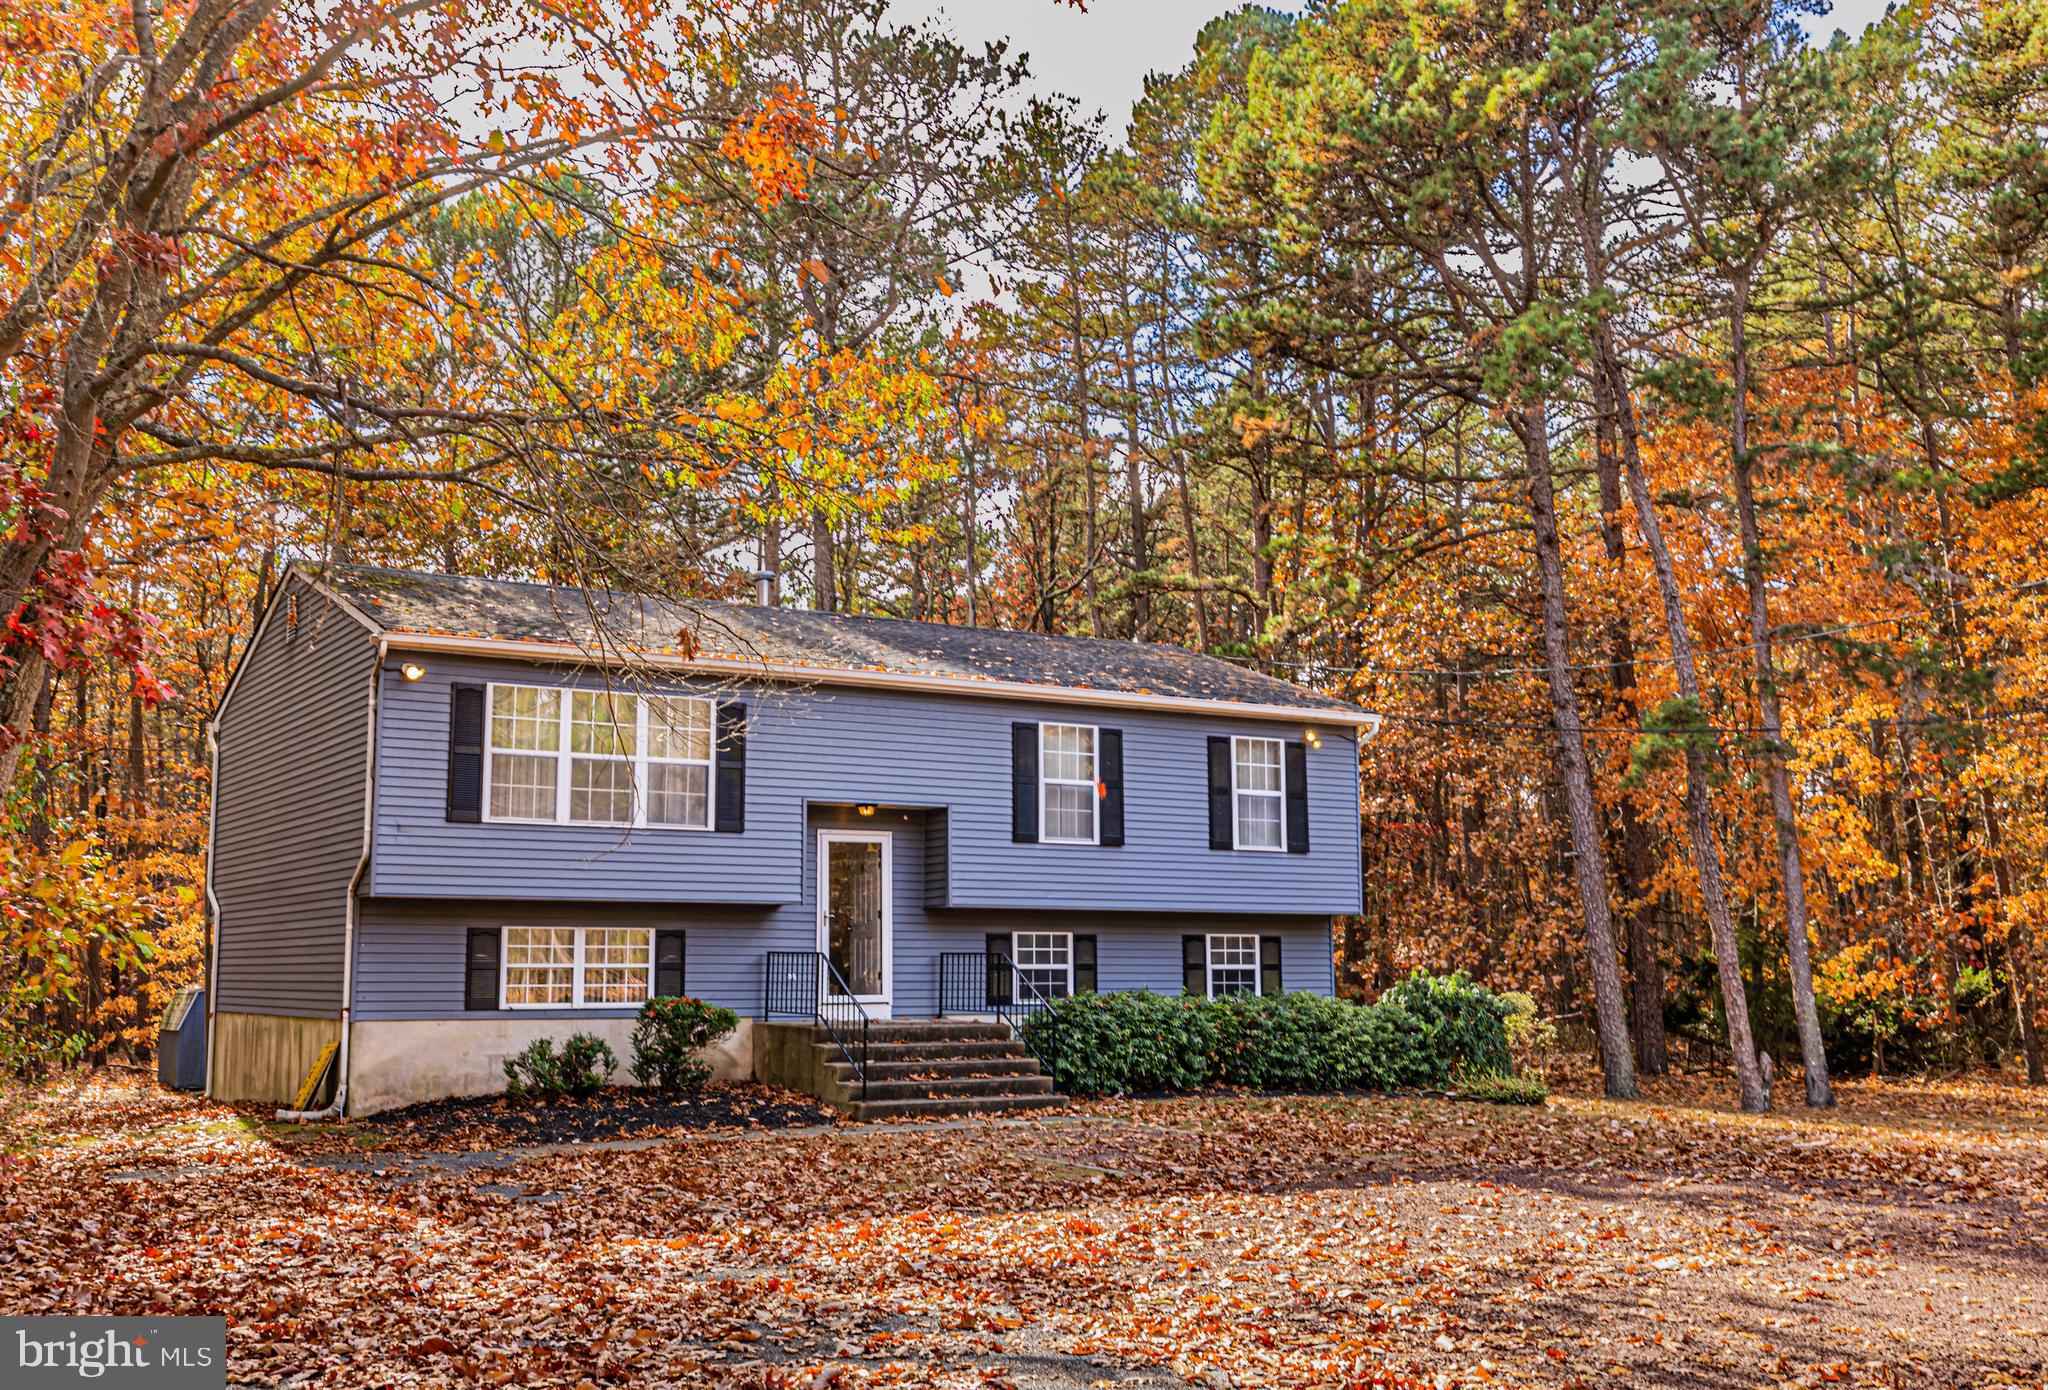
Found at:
<point>1531,1037</point>
<point>1464,1024</point>
<point>1382,1047</point>
<point>1418,1035</point>
<point>581,1068</point>
<point>1504,1090</point>
<point>669,1035</point>
<point>1118,1044</point>
<point>1278,1042</point>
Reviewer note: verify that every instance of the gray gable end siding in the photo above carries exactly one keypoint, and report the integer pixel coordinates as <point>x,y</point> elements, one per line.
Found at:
<point>288,808</point>
<point>826,745</point>
<point>409,961</point>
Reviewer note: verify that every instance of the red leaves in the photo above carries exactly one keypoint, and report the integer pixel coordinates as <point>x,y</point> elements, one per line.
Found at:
<point>69,623</point>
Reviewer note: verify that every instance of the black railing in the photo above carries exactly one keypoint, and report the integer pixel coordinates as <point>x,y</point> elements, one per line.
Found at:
<point>799,984</point>
<point>989,982</point>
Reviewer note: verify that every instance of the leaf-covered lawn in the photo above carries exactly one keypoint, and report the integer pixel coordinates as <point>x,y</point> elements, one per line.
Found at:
<point>1901,1241</point>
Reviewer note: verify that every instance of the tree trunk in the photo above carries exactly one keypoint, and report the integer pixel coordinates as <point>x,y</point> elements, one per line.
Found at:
<point>1198,599</point>
<point>1134,473</point>
<point>2023,1009</point>
<point>1084,438</point>
<point>1646,966</point>
<point>970,514</point>
<point>1699,814</point>
<point>1791,868</point>
<point>824,563</point>
<point>1610,1004</point>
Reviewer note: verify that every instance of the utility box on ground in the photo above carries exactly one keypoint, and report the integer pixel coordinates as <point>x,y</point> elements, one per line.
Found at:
<point>181,1041</point>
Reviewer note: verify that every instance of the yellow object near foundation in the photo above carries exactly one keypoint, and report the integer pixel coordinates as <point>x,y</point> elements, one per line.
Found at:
<point>311,1085</point>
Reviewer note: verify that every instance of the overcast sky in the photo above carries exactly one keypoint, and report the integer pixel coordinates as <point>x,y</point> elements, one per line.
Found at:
<point>1102,56</point>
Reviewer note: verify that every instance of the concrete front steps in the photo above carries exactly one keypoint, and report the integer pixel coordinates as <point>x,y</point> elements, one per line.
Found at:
<point>915,1069</point>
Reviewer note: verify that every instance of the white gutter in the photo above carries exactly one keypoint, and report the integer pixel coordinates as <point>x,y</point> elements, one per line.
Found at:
<point>338,1107</point>
<point>212,901</point>
<point>741,667</point>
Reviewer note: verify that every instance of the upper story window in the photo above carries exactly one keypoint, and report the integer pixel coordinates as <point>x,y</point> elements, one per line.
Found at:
<point>1067,782</point>
<point>598,757</point>
<point>1258,793</point>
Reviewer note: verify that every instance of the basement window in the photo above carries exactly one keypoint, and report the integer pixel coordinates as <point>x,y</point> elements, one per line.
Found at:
<point>576,967</point>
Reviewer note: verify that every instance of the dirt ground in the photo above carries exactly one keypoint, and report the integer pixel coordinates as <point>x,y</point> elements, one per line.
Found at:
<point>1901,1240</point>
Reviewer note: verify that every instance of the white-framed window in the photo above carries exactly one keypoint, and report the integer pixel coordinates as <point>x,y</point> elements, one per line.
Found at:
<point>677,758</point>
<point>603,741</point>
<point>576,967</point>
<point>1258,793</point>
<point>524,752</point>
<point>1067,784</point>
<point>1046,959</point>
<point>598,757</point>
<point>1233,965</point>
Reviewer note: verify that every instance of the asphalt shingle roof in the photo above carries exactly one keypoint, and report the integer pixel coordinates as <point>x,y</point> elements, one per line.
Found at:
<point>411,602</point>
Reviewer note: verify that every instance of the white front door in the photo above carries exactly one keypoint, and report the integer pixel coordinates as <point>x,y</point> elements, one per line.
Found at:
<point>855,921</point>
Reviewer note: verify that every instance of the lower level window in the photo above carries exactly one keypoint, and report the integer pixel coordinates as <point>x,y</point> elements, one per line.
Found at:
<point>577,967</point>
<point>1046,959</point>
<point>1233,965</point>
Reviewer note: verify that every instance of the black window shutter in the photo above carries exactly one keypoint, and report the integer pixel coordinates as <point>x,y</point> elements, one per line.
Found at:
<point>998,988</point>
<point>1269,966</point>
<point>668,963</point>
<point>1084,964</point>
<point>466,757</point>
<point>1024,783</point>
<point>1111,768</point>
<point>480,969</point>
<point>1222,834</point>
<point>729,814</point>
<point>1194,965</point>
<point>1297,798</point>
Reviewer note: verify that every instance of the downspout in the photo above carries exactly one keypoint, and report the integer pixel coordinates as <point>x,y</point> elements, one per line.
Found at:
<point>338,1107</point>
<point>212,902</point>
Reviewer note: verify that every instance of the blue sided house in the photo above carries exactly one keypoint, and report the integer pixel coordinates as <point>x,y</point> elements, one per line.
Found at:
<point>452,816</point>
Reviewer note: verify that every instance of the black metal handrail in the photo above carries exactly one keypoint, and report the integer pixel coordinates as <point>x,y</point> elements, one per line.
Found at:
<point>989,982</point>
<point>794,984</point>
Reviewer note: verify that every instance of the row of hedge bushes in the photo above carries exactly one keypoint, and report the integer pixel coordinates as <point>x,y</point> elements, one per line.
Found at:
<point>1422,1034</point>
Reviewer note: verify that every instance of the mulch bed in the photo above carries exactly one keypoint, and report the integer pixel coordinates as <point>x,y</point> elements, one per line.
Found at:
<point>619,1112</point>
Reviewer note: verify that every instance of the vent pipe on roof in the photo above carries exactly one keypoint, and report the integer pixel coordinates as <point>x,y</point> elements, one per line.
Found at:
<point>764,588</point>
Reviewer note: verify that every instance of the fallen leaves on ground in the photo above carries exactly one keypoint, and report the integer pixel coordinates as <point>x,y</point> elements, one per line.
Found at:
<point>1214,1241</point>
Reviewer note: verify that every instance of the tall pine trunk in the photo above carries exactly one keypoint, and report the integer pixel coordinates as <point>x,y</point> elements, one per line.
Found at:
<point>1791,868</point>
<point>1646,968</point>
<point>1699,811</point>
<point>1589,860</point>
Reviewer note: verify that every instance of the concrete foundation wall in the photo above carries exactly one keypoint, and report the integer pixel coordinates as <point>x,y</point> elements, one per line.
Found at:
<point>265,1056</point>
<point>786,1054</point>
<point>394,1063</point>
